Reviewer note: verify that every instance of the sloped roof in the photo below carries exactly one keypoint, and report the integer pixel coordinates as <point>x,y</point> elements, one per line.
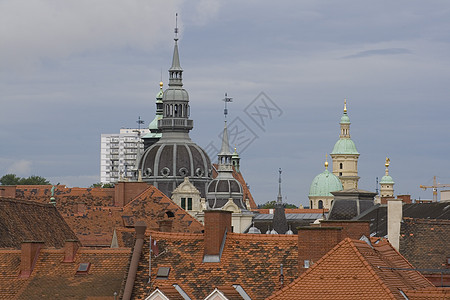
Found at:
<point>429,294</point>
<point>93,216</point>
<point>25,220</point>
<point>54,279</point>
<point>425,243</point>
<point>252,261</point>
<point>377,215</point>
<point>355,270</point>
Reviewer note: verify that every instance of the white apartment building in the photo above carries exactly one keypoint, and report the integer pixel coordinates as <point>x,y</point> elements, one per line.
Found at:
<point>119,153</point>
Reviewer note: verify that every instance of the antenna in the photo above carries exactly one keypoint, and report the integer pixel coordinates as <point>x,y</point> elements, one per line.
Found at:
<point>376,189</point>
<point>226,100</point>
<point>176,27</point>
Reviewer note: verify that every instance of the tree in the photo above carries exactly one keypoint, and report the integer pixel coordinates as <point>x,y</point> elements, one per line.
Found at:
<point>271,204</point>
<point>10,179</point>
<point>13,179</point>
<point>102,185</point>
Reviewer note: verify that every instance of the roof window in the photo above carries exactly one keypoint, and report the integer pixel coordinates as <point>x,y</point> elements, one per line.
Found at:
<point>163,273</point>
<point>83,268</point>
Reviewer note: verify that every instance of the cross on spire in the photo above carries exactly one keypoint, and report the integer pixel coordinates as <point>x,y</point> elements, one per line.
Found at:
<point>226,100</point>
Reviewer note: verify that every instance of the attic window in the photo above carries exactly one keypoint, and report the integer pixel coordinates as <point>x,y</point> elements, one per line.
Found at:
<point>163,273</point>
<point>83,268</point>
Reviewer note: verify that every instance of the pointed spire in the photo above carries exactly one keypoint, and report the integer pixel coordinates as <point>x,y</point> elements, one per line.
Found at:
<point>175,71</point>
<point>279,198</point>
<point>225,150</point>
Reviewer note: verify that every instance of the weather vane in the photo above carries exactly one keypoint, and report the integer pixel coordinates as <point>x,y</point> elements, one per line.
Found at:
<point>139,122</point>
<point>176,26</point>
<point>226,100</point>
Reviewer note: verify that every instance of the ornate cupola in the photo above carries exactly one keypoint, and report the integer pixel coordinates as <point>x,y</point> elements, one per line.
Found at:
<point>345,156</point>
<point>155,133</point>
<point>321,187</point>
<point>386,182</point>
<point>175,156</point>
<point>225,187</point>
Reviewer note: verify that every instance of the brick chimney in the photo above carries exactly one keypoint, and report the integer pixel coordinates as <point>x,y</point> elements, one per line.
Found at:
<point>315,242</point>
<point>165,225</point>
<point>405,198</point>
<point>217,225</point>
<point>70,250</point>
<point>350,229</point>
<point>29,255</point>
<point>124,192</point>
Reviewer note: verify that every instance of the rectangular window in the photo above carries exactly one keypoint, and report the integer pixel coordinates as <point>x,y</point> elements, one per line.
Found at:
<point>189,205</point>
<point>183,203</point>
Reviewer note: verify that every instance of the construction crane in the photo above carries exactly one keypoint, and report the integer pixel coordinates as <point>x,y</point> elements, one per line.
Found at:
<point>435,186</point>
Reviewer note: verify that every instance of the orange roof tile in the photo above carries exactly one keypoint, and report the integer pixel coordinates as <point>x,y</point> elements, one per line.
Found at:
<point>355,270</point>
<point>252,261</point>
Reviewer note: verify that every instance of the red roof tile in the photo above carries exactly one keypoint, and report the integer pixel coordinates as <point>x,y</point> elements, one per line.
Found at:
<point>355,270</point>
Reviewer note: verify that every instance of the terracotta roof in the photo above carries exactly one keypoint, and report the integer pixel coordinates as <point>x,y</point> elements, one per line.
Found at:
<point>252,261</point>
<point>292,211</point>
<point>25,220</point>
<point>94,213</point>
<point>429,294</point>
<point>425,243</point>
<point>245,190</point>
<point>54,279</point>
<point>355,270</point>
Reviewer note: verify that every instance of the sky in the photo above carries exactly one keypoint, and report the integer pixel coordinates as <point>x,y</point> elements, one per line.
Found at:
<point>72,70</point>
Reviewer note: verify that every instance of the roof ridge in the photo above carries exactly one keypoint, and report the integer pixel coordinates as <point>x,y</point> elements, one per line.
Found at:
<point>369,267</point>
<point>261,236</point>
<point>139,195</point>
<point>28,202</point>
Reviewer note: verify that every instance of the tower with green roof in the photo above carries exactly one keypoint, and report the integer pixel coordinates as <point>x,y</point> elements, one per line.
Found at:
<point>345,156</point>
<point>155,133</point>
<point>321,187</point>
<point>386,182</point>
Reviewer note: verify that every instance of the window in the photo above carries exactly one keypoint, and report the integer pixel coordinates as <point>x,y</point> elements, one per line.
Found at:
<point>189,204</point>
<point>306,263</point>
<point>320,204</point>
<point>340,173</point>
<point>183,203</point>
<point>83,268</point>
<point>163,273</point>
<point>341,166</point>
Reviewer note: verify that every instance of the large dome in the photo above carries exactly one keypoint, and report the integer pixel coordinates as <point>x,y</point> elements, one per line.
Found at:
<point>220,190</point>
<point>344,146</point>
<point>325,183</point>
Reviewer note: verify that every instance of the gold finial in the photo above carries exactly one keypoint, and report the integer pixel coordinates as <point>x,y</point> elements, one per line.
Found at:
<point>345,105</point>
<point>387,162</point>
<point>160,84</point>
<point>326,161</point>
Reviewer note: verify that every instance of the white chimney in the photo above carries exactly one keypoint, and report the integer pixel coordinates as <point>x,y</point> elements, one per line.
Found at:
<point>394,217</point>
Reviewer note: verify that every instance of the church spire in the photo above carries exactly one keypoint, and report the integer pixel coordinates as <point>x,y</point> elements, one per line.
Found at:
<point>175,71</point>
<point>224,156</point>
<point>279,198</point>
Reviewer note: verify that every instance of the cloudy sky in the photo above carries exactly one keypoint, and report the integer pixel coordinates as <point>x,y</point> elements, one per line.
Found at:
<point>72,70</point>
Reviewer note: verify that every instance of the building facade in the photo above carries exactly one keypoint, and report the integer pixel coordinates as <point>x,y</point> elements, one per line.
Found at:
<point>119,153</point>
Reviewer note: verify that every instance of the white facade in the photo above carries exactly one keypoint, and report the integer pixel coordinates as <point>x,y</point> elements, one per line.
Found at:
<point>118,154</point>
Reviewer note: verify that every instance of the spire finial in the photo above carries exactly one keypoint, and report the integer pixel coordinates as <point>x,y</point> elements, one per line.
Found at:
<point>279,198</point>
<point>386,164</point>
<point>326,161</point>
<point>226,100</point>
<point>345,105</point>
<point>176,27</point>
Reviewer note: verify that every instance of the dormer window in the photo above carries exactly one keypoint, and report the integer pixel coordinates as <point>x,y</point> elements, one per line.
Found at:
<point>83,268</point>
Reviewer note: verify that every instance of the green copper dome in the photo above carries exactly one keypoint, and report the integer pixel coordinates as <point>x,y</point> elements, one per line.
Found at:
<point>344,146</point>
<point>386,179</point>
<point>325,183</point>
<point>345,119</point>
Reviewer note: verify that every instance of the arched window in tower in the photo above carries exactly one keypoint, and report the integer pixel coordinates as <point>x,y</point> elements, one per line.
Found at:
<point>320,204</point>
<point>341,166</point>
<point>188,111</point>
<point>176,110</point>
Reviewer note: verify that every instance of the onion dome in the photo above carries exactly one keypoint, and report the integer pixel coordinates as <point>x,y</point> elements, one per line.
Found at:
<point>387,179</point>
<point>325,183</point>
<point>345,145</point>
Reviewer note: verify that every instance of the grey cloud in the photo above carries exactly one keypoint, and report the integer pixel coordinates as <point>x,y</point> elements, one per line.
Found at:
<point>377,52</point>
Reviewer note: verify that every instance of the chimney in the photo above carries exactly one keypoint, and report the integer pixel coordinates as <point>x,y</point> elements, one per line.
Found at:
<point>394,217</point>
<point>29,255</point>
<point>315,242</point>
<point>70,250</point>
<point>124,192</point>
<point>165,225</point>
<point>350,229</point>
<point>217,225</point>
<point>405,198</point>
